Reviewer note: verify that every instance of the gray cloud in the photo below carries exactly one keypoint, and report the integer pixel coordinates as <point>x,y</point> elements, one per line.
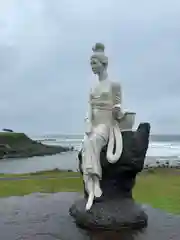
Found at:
<point>44,61</point>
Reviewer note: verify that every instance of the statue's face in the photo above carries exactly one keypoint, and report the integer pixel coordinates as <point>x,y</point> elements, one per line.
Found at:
<point>96,65</point>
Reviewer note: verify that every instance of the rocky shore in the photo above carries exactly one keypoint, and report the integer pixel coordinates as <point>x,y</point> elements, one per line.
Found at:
<point>19,145</point>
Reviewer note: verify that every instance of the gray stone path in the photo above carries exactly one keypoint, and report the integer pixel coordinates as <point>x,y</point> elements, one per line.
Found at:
<point>45,217</point>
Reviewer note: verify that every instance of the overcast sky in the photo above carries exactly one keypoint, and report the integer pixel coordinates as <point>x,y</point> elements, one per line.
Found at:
<point>45,48</point>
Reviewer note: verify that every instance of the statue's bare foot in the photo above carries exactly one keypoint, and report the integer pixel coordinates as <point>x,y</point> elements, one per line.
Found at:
<point>97,189</point>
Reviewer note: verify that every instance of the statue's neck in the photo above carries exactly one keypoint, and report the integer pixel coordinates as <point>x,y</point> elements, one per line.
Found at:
<point>103,76</point>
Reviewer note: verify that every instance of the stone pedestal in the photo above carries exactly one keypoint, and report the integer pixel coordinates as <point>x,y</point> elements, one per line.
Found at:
<point>114,214</point>
<point>116,208</point>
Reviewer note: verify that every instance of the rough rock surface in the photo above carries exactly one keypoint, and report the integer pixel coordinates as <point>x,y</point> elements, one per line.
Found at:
<point>116,207</point>
<point>114,214</point>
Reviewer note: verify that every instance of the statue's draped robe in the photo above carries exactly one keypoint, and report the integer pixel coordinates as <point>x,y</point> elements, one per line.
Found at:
<point>104,110</point>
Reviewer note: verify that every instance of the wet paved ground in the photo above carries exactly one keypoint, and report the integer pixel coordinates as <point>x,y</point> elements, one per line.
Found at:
<point>45,217</point>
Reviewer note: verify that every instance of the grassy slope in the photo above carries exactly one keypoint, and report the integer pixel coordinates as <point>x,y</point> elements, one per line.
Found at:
<point>12,137</point>
<point>160,188</point>
<point>15,141</point>
<point>14,134</point>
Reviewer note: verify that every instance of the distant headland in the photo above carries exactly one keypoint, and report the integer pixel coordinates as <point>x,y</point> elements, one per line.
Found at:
<point>19,145</point>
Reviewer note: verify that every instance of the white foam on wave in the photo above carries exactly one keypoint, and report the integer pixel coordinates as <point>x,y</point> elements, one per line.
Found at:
<point>166,149</point>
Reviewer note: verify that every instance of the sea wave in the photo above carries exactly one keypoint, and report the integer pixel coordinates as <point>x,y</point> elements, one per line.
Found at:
<point>158,149</point>
<point>167,149</point>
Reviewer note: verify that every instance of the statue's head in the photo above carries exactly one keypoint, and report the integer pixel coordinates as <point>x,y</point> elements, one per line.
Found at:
<point>99,61</point>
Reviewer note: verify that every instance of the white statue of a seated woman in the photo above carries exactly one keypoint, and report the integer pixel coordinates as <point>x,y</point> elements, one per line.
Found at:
<point>101,125</point>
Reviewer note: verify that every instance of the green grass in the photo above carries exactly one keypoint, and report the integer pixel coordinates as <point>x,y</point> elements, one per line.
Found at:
<point>58,181</point>
<point>160,188</point>
<point>51,173</point>
<point>52,185</point>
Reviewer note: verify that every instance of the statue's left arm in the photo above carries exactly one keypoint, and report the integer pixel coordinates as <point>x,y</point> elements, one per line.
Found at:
<point>117,101</point>
<point>115,135</point>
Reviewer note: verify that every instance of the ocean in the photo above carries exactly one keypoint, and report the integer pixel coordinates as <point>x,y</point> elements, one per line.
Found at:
<point>162,148</point>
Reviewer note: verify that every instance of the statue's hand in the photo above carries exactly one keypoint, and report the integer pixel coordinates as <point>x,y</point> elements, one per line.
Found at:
<point>117,112</point>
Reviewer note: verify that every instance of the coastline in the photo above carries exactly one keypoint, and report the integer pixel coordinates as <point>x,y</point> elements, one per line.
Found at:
<point>19,145</point>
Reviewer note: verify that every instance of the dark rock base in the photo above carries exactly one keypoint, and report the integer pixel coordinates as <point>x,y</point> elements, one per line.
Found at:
<point>113,214</point>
